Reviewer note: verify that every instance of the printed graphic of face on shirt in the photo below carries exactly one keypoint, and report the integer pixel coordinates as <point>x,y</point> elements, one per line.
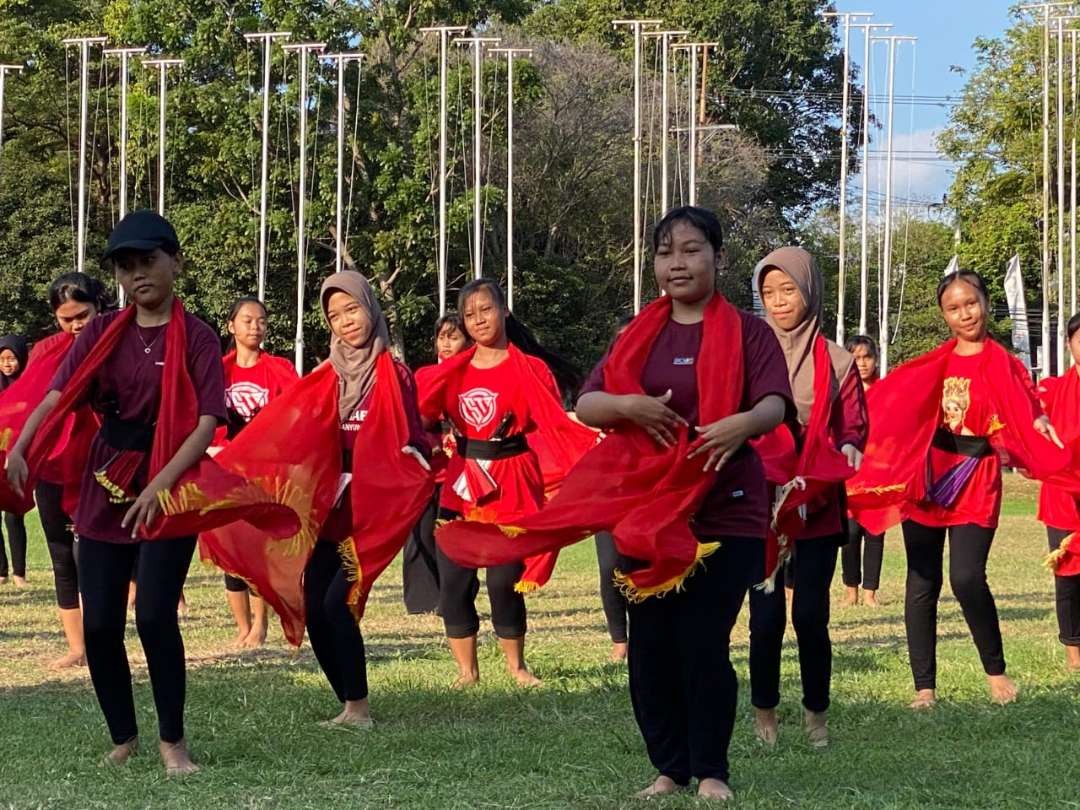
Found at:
<point>246,398</point>
<point>955,402</point>
<point>477,407</point>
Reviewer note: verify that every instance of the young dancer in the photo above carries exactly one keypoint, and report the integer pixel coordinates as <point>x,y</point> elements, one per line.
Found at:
<point>680,393</point>
<point>831,430</point>
<point>13,358</point>
<point>857,568</point>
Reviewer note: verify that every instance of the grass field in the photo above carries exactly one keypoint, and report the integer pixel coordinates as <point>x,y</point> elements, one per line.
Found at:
<point>252,718</point>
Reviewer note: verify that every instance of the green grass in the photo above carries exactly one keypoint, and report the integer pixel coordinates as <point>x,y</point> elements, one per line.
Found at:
<point>252,718</point>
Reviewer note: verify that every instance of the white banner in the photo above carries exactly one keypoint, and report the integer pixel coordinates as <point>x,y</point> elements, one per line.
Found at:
<point>1014,294</point>
<point>953,265</point>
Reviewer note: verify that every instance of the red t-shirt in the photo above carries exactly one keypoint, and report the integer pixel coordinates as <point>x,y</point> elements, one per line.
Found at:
<point>476,403</point>
<point>738,504</point>
<point>966,411</point>
<point>249,390</point>
<point>1059,508</point>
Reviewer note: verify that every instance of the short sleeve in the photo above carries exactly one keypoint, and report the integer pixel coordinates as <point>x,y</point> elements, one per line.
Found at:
<point>595,381</point>
<point>77,354</point>
<point>764,367</point>
<point>206,370</point>
<point>418,437</point>
<point>540,368</point>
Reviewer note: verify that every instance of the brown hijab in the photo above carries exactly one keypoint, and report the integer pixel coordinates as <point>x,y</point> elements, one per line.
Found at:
<point>798,343</point>
<point>355,366</point>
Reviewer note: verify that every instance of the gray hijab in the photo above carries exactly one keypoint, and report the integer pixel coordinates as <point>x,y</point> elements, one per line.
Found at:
<point>355,366</point>
<point>798,343</point>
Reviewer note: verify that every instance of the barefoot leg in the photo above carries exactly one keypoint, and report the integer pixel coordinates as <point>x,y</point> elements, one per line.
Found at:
<point>924,699</point>
<point>514,653</point>
<point>870,598</point>
<point>464,652</point>
<point>1072,656</point>
<point>714,789</point>
<point>121,753</point>
<point>851,596</point>
<point>71,621</point>
<point>766,725</point>
<point>1002,689</point>
<point>256,636</point>
<point>240,607</point>
<point>618,651</point>
<point>177,758</point>
<point>817,729</point>
<point>661,787</point>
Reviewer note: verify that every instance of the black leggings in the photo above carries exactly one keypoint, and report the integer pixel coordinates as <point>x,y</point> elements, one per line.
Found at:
<point>16,532</point>
<point>1066,596</point>
<point>857,569</point>
<point>682,685</point>
<point>235,584</point>
<point>613,601</point>
<point>61,542</point>
<point>161,566</point>
<point>812,569</point>
<point>969,547</point>
<point>419,563</point>
<point>332,628</point>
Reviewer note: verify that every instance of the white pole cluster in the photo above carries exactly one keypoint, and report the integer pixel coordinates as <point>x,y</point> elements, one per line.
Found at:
<point>341,59</point>
<point>162,65</point>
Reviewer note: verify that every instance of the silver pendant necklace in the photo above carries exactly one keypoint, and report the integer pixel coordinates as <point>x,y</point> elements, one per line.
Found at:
<point>147,346</point>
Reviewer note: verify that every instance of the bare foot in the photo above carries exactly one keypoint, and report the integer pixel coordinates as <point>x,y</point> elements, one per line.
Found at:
<point>121,753</point>
<point>618,651</point>
<point>714,789</point>
<point>924,699</point>
<point>661,787</point>
<point>177,758</point>
<point>817,729</point>
<point>20,582</point>
<point>3,580</point>
<point>72,659</point>
<point>852,596</point>
<point>1002,689</point>
<point>766,726</point>
<point>525,678</point>
<point>356,714</point>
<point>465,680</point>
<point>1072,657</point>
<point>255,639</point>
<point>238,640</point>
<point>869,598</point>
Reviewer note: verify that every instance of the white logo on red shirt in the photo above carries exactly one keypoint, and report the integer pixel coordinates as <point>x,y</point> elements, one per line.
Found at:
<point>246,398</point>
<point>355,421</point>
<point>477,407</point>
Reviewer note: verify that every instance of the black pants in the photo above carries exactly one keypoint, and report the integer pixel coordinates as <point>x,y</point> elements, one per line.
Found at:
<point>104,574</point>
<point>63,549</point>
<point>332,628</point>
<point>420,565</point>
<point>613,601</point>
<point>16,532</point>
<point>682,685</point>
<point>969,547</point>
<point>812,568</point>
<point>1066,596</point>
<point>857,569</point>
<point>235,584</point>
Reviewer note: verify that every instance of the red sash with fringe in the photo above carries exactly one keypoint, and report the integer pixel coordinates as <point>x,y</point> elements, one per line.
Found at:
<point>219,496</point>
<point>558,441</point>
<point>645,495</point>
<point>295,442</point>
<point>1058,507</point>
<point>905,410</point>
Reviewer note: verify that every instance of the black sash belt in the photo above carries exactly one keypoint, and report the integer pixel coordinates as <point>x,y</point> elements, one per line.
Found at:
<point>970,446</point>
<point>121,434</point>
<point>490,451</point>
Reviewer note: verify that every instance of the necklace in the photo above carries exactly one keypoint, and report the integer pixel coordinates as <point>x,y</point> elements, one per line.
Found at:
<point>147,346</point>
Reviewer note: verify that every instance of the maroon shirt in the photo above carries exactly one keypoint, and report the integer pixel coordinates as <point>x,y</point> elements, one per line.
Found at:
<point>738,504</point>
<point>127,386</point>
<point>338,524</point>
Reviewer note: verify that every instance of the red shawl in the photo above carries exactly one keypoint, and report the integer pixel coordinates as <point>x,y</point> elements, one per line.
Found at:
<point>628,485</point>
<point>806,476</point>
<point>559,442</point>
<point>219,496</point>
<point>17,403</point>
<point>905,410</point>
<point>294,445</point>
<point>1058,507</point>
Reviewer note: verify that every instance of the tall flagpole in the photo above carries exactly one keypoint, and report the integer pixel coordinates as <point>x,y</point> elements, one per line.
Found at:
<point>1060,259</point>
<point>510,53</point>
<point>162,65</point>
<point>341,59</point>
<point>267,40</point>
<point>842,253</point>
<point>664,42</point>
<point>693,126</point>
<point>444,32</point>
<point>1072,178</point>
<point>304,49</point>
<point>84,44</point>
<point>636,26</point>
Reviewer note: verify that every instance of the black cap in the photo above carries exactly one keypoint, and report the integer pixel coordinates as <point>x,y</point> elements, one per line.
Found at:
<point>142,231</point>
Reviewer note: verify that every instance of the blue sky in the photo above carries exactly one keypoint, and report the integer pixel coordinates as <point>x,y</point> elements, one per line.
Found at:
<point>946,30</point>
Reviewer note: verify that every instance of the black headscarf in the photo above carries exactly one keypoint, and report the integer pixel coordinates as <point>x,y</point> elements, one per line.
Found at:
<point>18,346</point>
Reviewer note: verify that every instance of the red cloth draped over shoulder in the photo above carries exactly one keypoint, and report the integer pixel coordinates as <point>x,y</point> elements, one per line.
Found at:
<point>296,441</point>
<point>207,495</point>
<point>1059,508</point>
<point>558,441</point>
<point>802,476</point>
<point>18,401</point>
<point>643,494</point>
<point>905,410</point>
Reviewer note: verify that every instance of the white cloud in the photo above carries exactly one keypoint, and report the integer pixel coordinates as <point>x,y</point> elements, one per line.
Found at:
<point>920,171</point>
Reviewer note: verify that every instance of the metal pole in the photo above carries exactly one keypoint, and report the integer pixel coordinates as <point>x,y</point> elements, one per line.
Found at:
<point>341,59</point>
<point>636,27</point>
<point>444,32</point>
<point>692,49</point>
<point>267,40</point>
<point>1072,180</point>
<point>303,48</point>
<point>162,65</point>
<point>84,44</point>
<point>1060,258</point>
<point>4,69</point>
<point>664,42</point>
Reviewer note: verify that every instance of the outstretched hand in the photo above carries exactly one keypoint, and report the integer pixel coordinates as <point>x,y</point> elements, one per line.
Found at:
<point>1043,426</point>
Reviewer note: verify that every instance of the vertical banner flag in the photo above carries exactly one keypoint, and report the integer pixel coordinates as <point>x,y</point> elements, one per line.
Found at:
<point>1014,294</point>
